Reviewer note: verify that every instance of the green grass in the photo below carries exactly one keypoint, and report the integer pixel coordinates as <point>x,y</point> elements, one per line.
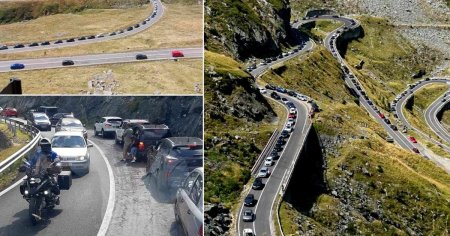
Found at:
<point>321,29</point>
<point>229,161</point>
<point>407,186</point>
<point>422,100</point>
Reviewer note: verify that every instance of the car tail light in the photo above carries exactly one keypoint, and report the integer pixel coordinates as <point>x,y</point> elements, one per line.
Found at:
<point>141,146</point>
<point>200,230</point>
<point>192,146</point>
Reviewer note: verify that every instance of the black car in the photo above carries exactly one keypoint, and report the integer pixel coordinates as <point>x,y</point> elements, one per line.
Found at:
<point>395,115</point>
<point>257,184</point>
<point>120,31</point>
<point>91,37</point>
<point>130,28</point>
<point>19,46</point>
<point>4,47</point>
<point>141,57</point>
<point>136,26</point>
<point>56,117</point>
<point>70,40</point>
<point>275,154</point>
<point>393,127</point>
<point>58,42</point>
<point>290,105</point>
<point>144,22</point>
<point>45,43</point>
<point>284,134</point>
<point>278,145</point>
<point>82,38</point>
<point>278,148</point>
<point>387,121</point>
<point>269,86</point>
<point>369,102</point>
<point>427,79</point>
<point>275,95</point>
<point>33,45</point>
<point>68,63</point>
<point>292,93</point>
<point>281,141</point>
<point>112,34</point>
<point>249,200</point>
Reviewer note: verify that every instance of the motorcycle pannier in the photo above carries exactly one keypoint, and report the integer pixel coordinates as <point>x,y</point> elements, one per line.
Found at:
<point>65,180</point>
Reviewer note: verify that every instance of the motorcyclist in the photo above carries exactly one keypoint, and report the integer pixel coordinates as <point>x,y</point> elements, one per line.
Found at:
<point>46,158</point>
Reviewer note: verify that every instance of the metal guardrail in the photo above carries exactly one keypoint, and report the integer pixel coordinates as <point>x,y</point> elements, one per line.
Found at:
<point>35,134</point>
<point>265,151</point>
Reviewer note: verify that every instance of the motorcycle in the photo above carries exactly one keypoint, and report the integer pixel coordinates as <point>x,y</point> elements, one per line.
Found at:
<point>40,191</point>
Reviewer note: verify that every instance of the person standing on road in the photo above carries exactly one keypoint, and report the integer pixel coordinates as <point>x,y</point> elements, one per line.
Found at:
<point>127,141</point>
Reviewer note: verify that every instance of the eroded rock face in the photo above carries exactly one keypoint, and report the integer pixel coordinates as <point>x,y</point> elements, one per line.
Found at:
<point>217,220</point>
<point>246,29</point>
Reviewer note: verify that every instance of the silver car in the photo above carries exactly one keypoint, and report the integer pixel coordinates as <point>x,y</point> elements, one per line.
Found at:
<point>188,206</point>
<point>264,172</point>
<point>71,124</point>
<point>73,151</point>
<point>247,215</point>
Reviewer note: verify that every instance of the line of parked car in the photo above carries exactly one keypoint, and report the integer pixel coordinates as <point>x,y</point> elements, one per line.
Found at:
<point>265,171</point>
<point>175,163</point>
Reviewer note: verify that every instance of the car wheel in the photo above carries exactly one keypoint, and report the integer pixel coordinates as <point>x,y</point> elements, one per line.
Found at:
<point>95,132</point>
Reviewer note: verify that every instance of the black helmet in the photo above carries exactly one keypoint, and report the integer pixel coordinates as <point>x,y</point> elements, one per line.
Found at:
<point>46,146</point>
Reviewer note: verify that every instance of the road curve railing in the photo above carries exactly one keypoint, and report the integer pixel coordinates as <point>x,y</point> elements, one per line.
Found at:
<point>14,124</point>
<point>265,152</point>
<point>154,16</point>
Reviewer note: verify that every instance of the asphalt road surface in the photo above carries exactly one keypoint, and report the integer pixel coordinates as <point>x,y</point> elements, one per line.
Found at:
<point>272,185</point>
<point>140,209</point>
<point>431,117</point>
<point>80,212</point>
<point>157,7</point>
<point>98,59</point>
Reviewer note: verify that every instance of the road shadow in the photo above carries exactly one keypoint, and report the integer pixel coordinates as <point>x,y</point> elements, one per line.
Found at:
<point>308,178</point>
<point>167,196</point>
<point>176,229</point>
<point>22,225</point>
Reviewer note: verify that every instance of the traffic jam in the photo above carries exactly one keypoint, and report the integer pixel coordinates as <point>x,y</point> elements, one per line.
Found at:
<point>175,163</point>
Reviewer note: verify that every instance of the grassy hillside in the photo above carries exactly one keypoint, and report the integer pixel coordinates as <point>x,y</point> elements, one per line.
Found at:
<point>374,186</point>
<point>238,123</point>
<point>27,10</point>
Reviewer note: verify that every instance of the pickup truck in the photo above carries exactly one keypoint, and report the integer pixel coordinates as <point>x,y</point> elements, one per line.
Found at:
<point>125,125</point>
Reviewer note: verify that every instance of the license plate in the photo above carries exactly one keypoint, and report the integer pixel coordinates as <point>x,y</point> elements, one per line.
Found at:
<point>66,164</point>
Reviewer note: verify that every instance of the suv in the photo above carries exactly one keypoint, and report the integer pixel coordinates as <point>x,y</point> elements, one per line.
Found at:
<point>148,138</point>
<point>174,159</point>
<point>48,110</point>
<point>125,125</point>
<point>188,205</point>
<point>40,121</point>
<point>107,125</point>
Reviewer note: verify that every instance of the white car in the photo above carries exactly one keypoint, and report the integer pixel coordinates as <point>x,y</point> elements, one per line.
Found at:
<point>268,161</point>
<point>292,110</point>
<point>291,121</point>
<point>262,90</point>
<point>288,129</point>
<point>107,125</point>
<point>301,97</point>
<point>248,232</point>
<point>264,172</point>
<point>188,205</point>
<point>73,151</point>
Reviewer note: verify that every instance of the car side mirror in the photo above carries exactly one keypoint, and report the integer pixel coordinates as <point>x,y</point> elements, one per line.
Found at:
<point>90,145</point>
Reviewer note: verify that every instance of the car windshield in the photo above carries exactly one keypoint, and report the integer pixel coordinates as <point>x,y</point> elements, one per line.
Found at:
<point>71,123</point>
<point>115,120</point>
<point>68,142</point>
<point>40,117</point>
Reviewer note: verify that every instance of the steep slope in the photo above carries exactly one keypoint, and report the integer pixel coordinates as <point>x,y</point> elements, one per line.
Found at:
<point>374,187</point>
<point>246,28</point>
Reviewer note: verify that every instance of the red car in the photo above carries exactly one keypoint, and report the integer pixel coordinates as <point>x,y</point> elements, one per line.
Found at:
<point>291,116</point>
<point>176,53</point>
<point>9,111</point>
<point>381,115</point>
<point>415,150</point>
<point>412,139</point>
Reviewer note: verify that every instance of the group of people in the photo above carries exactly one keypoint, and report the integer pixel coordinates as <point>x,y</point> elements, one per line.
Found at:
<point>129,145</point>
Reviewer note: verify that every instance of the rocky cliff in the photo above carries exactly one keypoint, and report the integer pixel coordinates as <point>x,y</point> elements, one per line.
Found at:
<point>246,28</point>
<point>182,114</point>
